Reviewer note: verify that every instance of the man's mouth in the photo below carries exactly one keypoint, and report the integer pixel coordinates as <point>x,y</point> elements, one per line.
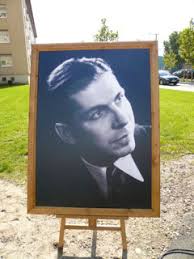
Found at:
<point>121,138</point>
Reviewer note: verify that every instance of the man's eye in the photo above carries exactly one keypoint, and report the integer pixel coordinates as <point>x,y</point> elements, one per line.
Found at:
<point>95,115</point>
<point>120,97</point>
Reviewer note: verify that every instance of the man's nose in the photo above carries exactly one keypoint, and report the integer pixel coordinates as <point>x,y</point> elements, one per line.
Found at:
<point>120,118</point>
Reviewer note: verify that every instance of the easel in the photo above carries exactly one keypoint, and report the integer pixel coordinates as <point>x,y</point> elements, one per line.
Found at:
<point>92,225</point>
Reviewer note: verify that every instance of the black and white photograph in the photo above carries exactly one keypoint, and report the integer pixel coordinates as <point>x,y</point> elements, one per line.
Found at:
<point>93,129</point>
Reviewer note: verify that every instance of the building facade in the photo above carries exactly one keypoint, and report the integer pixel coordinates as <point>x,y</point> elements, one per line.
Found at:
<point>17,33</point>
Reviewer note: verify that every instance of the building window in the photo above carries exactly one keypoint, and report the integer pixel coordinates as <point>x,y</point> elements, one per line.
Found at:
<point>3,11</point>
<point>4,79</point>
<point>6,61</point>
<point>4,37</point>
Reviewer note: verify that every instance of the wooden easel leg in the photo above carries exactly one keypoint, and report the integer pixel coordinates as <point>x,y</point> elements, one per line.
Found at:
<point>92,223</point>
<point>61,238</point>
<point>61,235</point>
<point>123,234</point>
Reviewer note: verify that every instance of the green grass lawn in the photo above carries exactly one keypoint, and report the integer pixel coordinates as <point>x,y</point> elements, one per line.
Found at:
<point>176,123</point>
<point>14,102</point>
<point>176,133</point>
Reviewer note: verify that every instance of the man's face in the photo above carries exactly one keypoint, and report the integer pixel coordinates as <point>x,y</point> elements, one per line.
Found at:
<point>103,124</point>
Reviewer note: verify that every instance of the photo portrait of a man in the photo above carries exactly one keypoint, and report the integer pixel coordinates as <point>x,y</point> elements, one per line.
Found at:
<point>93,152</point>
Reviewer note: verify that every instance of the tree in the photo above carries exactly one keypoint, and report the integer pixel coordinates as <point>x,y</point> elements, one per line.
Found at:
<point>170,60</point>
<point>172,46</point>
<point>186,49</point>
<point>105,34</point>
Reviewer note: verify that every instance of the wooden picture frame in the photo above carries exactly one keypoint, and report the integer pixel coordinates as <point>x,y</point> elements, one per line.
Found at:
<point>145,56</point>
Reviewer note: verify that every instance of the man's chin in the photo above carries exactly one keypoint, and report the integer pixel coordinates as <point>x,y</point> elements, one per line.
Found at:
<point>124,151</point>
<point>103,157</point>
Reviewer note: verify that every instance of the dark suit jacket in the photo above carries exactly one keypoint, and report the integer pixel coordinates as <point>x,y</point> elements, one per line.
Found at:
<point>69,184</point>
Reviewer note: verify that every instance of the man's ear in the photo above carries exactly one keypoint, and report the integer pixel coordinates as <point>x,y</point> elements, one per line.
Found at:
<point>63,130</point>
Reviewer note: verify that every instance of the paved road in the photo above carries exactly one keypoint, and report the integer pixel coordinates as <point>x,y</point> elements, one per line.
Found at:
<point>180,87</point>
<point>184,241</point>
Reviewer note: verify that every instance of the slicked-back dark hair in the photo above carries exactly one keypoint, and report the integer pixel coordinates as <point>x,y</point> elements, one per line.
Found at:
<point>75,74</point>
<point>71,76</point>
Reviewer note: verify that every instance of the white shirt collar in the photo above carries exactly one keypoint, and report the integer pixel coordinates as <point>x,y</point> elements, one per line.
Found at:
<point>125,164</point>
<point>128,166</point>
<point>99,175</point>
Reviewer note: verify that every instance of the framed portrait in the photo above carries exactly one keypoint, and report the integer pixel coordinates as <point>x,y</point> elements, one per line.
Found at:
<point>94,130</point>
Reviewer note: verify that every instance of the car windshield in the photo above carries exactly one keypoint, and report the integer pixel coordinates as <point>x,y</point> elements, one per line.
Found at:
<point>164,73</point>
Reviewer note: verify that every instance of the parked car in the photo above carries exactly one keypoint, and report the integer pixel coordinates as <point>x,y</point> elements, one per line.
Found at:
<point>166,78</point>
<point>179,73</point>
<point>186,73</point>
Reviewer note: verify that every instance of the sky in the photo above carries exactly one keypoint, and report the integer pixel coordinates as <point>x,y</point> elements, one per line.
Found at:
<point>62,21</point>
